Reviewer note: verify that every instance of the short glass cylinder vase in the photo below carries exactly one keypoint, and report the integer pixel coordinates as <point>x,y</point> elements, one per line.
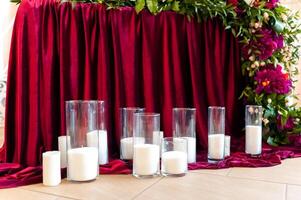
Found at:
<point>174,156</point>
<point>127,129</point>
<point>146,153</point>
<point>82,156</point>
<point>253,117</point>
<point>216,134</point>
<point>183,123</point>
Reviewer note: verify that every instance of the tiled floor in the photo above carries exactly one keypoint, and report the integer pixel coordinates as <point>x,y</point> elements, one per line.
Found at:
<point>273,183</point>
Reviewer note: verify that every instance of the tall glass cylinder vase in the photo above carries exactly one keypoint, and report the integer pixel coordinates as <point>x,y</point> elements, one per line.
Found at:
<point>146,153</point>
<point>253,117</point>
<point>82,160</point>
<point>127,129</point>
<point>216,134</point>
<point>184,127</point>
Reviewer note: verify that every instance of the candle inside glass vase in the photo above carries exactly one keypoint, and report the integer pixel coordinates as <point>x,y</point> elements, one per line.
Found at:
<point>81,124</point>
<point>253,117</point>
<point>174,156</point>
<point>146,155</point>
<point>127,128</point>
<point>184,127</point>
<point>216,134</point>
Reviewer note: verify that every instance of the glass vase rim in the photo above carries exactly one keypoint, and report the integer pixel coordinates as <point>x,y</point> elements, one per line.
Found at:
<point>217,107</point>
<point>184,108</point>
<point>148,114</point>
<point>132,108</point>
<point>259,106</point>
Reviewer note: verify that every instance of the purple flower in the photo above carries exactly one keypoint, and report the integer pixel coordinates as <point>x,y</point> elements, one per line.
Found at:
<point>272,80</point>
<point>289,125</point>
<point>270,4</point>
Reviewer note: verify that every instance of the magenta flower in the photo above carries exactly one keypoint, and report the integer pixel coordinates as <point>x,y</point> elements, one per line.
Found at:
<point>289,125</point>
<point>272,80</point>
<point>270,4</point>
<point>266,44</point>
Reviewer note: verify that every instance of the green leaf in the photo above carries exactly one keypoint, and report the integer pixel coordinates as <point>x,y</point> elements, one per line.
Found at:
<point>139,5</point>
<point>175,6</point>
<point>271,142</point>
<point>152,6</point>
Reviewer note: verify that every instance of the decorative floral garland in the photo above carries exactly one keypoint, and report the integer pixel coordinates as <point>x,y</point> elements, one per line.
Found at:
<point>268,33</point>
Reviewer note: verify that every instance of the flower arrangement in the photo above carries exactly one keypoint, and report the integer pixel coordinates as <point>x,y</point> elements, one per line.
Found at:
<point>268,34</point>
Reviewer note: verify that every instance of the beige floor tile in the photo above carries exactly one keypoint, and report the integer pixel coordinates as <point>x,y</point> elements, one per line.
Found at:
<point>287,172</point>
<point>293,192</point>
<point>213,187</point>
<point>222,172</point>
<point>105,187</point>
<point>20,194</point>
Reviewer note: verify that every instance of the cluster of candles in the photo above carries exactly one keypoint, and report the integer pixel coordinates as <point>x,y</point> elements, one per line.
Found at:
<point>85,146</point>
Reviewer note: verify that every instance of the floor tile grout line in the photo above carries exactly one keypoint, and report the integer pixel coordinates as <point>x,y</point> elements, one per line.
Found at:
<point>285,191</point>
<point>51,194</point>
<point>250,179</point>
<point>137,195</point>
<point>267,181</point>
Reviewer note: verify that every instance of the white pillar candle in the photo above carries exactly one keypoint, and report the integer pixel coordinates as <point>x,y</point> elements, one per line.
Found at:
<point>126,146</point>
<point>82,164</point>
<point>174,162</point>
<point>62,140</point>
<point>216,146</point>
<point>191,148</point>
<point>102,144</point>
<point>157,137</point>
<point>51,168</point>
<point>146,159</point>
<point>253,139</point>
<point>227,145</point>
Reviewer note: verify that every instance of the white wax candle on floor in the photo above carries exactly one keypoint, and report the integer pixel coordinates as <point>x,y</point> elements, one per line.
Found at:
<point>51,168</point>
<point>227,145</point>
<point>174,162</point>
<point>253,139</point>
<point>191,148</point>
<point>102,144</point>
<point>62,140</point>
<point>82,164</point>
<point>146,159</point>
<point>216,146</point>
<point>126,146</point>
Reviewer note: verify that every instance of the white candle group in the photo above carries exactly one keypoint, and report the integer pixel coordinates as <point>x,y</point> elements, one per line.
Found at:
<point>253,139</point>
<point>51,168</point>
<point>227,145</point>
<point>82,164</point>
<point>146,159</point>
<point>191,147</point>
<point>126,146</point>
<point>99,139</point>
<point>216,146</point>
<point>174,162</point>
<point>63,141</point>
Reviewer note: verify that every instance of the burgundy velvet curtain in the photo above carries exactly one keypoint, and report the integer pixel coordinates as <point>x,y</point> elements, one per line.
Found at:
<point>60,53</point>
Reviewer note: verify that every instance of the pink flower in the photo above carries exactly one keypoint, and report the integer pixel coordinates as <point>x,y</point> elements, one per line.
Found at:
<point>266,44</point>
<point>272,80</point>
<point>289,125</point>
<point>270,4</point>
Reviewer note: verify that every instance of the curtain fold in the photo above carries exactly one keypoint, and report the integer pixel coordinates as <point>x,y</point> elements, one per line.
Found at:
<point>60,53</point>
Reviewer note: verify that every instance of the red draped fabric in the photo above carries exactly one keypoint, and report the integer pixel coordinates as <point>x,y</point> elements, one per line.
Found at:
<point>60,52</point>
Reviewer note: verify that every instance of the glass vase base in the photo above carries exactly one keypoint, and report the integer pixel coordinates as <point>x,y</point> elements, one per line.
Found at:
<point>254,155</point>
<point>145,176</point>
<point>211,160</point>
<point>173,175</point>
